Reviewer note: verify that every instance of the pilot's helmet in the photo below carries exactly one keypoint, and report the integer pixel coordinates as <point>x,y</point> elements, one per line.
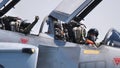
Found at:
<point>92,34</point>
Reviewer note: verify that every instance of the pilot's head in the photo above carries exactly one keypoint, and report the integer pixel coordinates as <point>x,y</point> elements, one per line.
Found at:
<point>92,34</point>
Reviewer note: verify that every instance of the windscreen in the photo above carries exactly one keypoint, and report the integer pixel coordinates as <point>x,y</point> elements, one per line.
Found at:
<point>112,38</point>
<point>68,9</point>
<point>2,3</point>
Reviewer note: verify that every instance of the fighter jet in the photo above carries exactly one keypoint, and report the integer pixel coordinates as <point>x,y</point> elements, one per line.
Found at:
<point>58,48</point>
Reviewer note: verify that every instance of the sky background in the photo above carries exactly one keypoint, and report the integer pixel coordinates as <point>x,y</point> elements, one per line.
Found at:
<point>105,16</point>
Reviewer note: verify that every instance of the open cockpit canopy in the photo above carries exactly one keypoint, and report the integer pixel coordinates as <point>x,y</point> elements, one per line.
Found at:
<point>70,9</point>
<point>6,5</point>
<point>2,3</point>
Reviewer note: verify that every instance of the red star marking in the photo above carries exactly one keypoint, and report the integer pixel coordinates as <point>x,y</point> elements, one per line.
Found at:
<point>117,61</point>
<point>24,40</point>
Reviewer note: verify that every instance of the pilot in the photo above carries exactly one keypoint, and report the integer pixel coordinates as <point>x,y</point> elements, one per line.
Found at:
<point>92,36</point>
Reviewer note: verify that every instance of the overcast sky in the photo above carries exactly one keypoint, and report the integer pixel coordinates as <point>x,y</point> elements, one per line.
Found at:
<point>105,16</point>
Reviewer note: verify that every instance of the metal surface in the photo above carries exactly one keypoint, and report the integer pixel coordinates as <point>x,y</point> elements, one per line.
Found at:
<point>7,7</point>
<point>59,54</point>
<point>11,56</point>
<point>2,3</point>
<point>51,53</point>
